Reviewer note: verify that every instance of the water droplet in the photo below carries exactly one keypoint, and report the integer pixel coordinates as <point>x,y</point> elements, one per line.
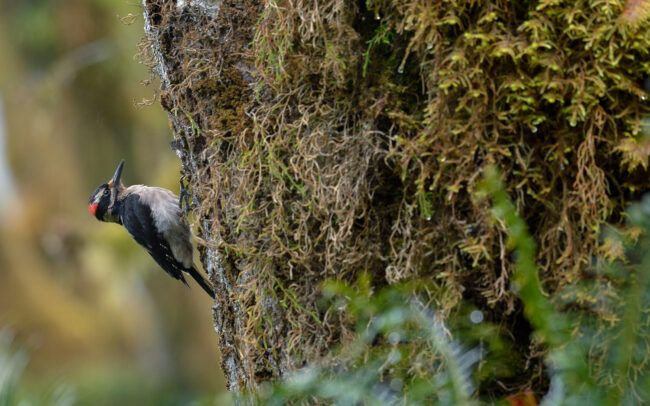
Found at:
<point>476,316</point>
<point>534,129</point>
<point>429,46</point>
<point>400,70</point>
<point>515,287</point>
<point>377,17</point>
<point>643,97</point>
<point>429,218</point>
<point>394,356</point>
<point>394,338</point>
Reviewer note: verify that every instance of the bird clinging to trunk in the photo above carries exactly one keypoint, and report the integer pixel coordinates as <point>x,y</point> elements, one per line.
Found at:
<point>152,216</point>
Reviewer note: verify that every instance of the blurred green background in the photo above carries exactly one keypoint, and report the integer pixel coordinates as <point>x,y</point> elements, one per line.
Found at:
<point>89,307</point>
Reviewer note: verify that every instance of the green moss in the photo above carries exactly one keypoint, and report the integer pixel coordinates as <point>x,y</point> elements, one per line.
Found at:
<point>358,136</point>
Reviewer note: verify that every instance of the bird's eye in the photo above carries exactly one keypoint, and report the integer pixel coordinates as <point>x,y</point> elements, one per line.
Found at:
<point>107,192</point>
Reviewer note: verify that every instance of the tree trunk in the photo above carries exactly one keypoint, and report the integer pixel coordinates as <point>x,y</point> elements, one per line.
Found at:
<point>323,139</point>
<point>181,35</point>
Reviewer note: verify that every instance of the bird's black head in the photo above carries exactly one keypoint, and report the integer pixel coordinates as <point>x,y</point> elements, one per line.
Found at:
<point>103,201</point>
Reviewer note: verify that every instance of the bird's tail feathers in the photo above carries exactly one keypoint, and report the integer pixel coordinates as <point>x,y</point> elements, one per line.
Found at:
<point>182,279</point>
<point>201,281</point>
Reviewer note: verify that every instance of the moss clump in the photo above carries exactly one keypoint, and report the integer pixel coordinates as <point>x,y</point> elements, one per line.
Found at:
<point>350,137</point>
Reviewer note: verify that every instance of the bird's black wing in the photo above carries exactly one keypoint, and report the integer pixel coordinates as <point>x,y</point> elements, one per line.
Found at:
<point>136,218</point>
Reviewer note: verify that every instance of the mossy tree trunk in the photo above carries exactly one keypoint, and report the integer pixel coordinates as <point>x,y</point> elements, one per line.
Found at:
<point>324,139</point>
<point>209,40</point>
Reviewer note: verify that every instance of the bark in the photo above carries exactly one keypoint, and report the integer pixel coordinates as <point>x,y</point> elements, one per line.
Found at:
<point>176,32</point>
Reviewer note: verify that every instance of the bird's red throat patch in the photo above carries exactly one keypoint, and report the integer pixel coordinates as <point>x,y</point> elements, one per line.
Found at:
<point>92,208</point>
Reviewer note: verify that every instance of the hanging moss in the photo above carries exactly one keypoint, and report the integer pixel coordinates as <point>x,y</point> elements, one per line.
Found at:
<point>333,138</point>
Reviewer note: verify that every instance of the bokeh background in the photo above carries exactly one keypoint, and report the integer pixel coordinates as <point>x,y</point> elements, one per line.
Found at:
<point>90,309</point>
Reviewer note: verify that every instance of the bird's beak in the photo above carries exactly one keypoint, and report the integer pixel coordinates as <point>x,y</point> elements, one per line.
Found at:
<point>117,175</point>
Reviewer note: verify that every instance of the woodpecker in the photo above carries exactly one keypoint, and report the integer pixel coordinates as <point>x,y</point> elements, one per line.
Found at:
<point>152,216</point>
